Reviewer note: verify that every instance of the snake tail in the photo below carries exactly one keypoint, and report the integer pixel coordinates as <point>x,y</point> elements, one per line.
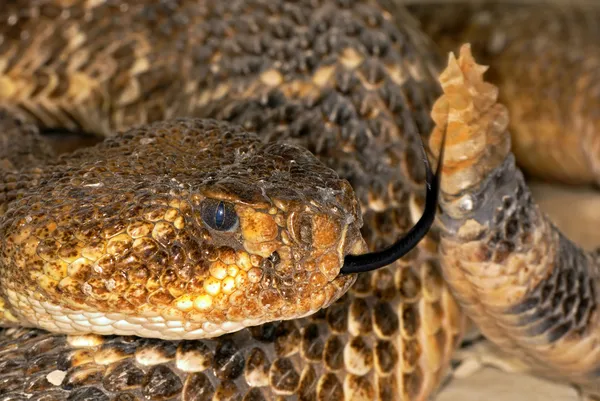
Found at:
<point>529,289</point>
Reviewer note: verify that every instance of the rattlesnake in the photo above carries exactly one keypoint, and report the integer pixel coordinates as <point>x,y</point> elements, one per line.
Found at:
<point>123,227</point>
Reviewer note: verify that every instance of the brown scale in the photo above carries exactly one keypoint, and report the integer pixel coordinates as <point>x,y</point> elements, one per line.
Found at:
<point>351,81</point>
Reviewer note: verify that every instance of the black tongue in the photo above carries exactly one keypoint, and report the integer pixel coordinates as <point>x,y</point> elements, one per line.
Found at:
<point>375,260</point>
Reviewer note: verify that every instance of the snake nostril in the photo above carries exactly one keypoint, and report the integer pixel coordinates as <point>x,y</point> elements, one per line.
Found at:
<point>301,228</point>
<point>306,233</point>
<point>274,258</point>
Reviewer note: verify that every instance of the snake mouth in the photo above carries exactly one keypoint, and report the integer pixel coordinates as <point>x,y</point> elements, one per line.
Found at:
<point>356,247</point>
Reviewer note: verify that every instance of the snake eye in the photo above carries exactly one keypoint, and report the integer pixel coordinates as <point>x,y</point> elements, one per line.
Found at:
<point>219,215</point>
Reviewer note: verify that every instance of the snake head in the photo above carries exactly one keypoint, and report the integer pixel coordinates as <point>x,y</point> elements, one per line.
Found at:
<point>180,229</point>
<point>277,224</point>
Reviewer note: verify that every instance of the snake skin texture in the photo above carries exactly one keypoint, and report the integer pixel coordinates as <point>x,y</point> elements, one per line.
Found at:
<point>351,81</point>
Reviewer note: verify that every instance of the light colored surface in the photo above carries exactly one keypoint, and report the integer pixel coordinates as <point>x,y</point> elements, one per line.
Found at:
<point>486,373</point>
<point>576,211</point>
<point>491,384</point>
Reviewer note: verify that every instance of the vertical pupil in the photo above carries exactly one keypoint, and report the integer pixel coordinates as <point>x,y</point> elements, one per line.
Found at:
<point>220,215</point>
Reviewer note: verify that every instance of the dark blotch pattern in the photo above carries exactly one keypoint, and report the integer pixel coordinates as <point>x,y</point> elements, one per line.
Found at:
<point>563,302</point>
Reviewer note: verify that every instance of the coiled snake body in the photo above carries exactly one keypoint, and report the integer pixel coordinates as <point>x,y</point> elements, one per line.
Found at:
<point>184,229</point>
